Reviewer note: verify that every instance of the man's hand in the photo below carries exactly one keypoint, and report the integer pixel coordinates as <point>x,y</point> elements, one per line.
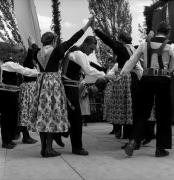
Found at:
<point>150,35</point>
<point>110,77</point>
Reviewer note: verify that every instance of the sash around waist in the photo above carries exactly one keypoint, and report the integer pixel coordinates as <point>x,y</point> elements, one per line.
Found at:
<point>71,83</point>
<point>11,88</point>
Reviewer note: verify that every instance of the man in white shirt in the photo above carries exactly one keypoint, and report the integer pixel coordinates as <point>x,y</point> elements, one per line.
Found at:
<point>158,64</point>
<point>9,90</point>
<point>78,62</point>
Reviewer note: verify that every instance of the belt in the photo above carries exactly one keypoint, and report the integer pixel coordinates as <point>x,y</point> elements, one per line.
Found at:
<point>156,72</point>
<point>11,88</point>
<point>71,83</point>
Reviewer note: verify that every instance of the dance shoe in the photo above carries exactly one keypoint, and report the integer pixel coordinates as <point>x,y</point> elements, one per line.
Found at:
<point>82,152</point>
<point>161,153</point>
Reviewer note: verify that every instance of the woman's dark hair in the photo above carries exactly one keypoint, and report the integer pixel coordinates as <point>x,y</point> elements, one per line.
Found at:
<point>47,38</point>
<point>125,37</point>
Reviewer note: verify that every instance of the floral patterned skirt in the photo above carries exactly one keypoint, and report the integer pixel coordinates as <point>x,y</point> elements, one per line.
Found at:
<point>49,111</point>
<point>26,96</point>
<point>118,101</point>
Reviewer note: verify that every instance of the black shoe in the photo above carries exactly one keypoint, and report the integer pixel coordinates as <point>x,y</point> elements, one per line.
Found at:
<point>42,153</point>
<point>29,141</point>
<point>13,143</point>
<point>137,146</point>
<point>56,152</point>
<point>161,153</point>
<point>82,152</point>
<point>8,146</point>
<point>124,146</point>
<point>59,141</point>
<point>112,132</point>
<point>50,153</point>
<point>146,141</point>
<point>65,134</point>
<point>85,124</point>
<point>17,136</point>
<point>130,147</point>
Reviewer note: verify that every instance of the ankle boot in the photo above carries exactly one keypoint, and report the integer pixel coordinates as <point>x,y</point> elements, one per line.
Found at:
<point>117,130</point>
<point>43,138</point>
<point>161,153</point>
<point>27,139</point>
<point>50,152</point>
<point>130,147</point>
<point>113,130</point>
<point>58,139</point>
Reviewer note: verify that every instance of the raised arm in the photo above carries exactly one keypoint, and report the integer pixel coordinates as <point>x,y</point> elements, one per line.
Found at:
<point>130,64</point>
<point>113,44</point>
<point>33,46</point>
<point>28,60</point>
<point>67,44</point>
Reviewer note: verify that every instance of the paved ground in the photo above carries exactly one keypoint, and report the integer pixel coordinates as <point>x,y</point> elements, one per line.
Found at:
<point>105,162</point>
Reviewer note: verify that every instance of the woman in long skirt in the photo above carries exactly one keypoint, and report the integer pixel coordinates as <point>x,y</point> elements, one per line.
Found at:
<point>121,95</point>
<point>49,110</point>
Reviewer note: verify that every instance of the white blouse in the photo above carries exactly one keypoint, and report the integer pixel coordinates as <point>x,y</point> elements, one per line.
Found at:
<point>15,67</point>
<point>82,60</point>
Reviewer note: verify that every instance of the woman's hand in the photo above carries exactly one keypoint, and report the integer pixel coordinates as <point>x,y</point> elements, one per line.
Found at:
<point>150,35</point>
<point>30,42</point>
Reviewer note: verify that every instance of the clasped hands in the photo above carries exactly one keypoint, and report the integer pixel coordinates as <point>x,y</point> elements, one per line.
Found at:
<point>113,77</point>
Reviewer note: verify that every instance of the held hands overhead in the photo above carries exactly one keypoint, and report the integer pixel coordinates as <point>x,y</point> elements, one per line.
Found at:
<point>113,77</point>
<point>88,24</point>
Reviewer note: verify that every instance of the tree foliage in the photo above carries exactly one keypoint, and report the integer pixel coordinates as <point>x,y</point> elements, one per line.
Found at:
<point>8,26</point>
<point>56,19</point>
<point>142,31</point>
<point>112,17</point>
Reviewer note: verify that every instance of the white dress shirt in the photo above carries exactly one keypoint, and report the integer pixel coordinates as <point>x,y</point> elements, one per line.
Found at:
<point>167,57</point>
<point>15,67</point>
<point>82,60</point>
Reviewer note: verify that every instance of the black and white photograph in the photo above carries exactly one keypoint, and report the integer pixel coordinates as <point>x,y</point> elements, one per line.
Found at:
<point>86,89</point>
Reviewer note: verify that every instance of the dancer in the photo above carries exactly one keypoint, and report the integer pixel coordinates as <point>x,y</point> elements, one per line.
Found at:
<point>9,91</point>
<point>158,64</point>
<point>77,62</point>
<point>49,110</point>
<point>121,95</point>
<point>25,100</point>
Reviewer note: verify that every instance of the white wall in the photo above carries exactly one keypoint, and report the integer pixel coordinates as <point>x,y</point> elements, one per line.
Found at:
<point>27,20</point>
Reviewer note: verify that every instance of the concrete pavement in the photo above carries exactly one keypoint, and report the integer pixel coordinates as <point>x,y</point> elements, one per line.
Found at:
<point>106,160</point>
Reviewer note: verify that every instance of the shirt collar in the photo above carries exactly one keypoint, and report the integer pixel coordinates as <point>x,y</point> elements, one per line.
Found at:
<point>160,35</point>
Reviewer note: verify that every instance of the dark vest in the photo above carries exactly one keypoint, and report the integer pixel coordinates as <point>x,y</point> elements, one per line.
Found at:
<point>12,78</point>
<point>73,70</point>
